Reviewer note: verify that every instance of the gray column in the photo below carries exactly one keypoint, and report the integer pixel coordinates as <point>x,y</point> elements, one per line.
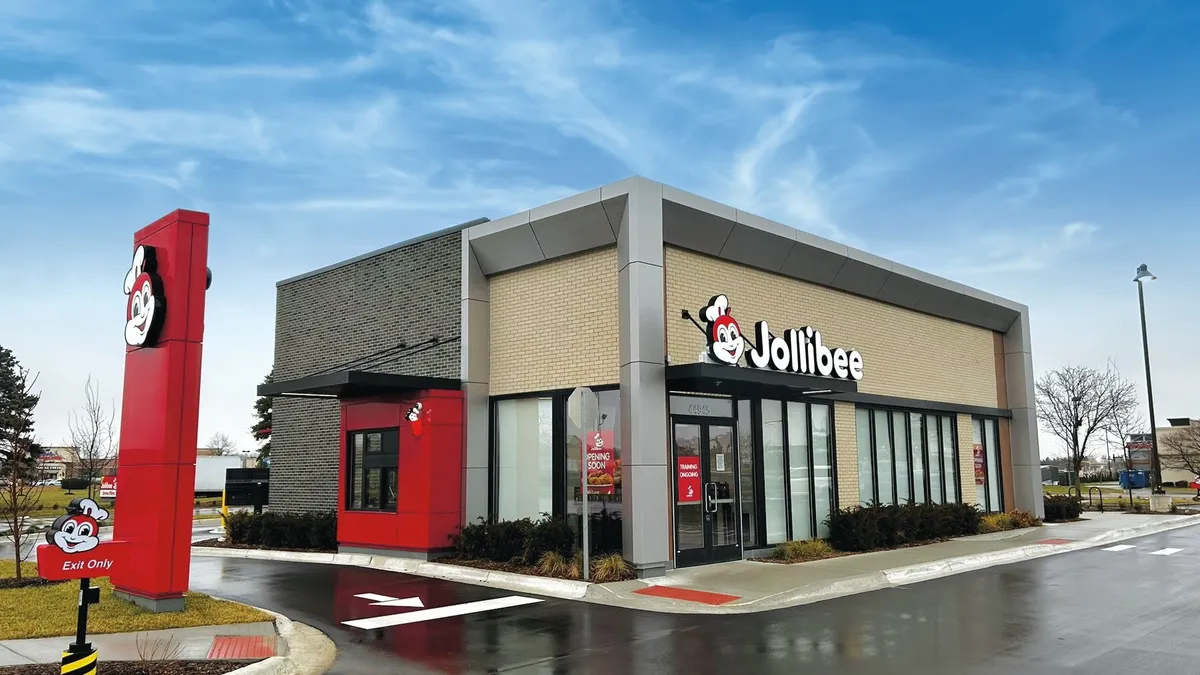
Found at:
<point>476,372</point>
<point>1023,436</point>
<point>644,465</point>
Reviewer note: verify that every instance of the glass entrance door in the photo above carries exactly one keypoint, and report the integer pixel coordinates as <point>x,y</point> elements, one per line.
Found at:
<point>706,492</point>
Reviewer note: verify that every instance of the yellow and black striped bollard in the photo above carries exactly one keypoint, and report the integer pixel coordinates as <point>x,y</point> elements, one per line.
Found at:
<point>79,663</point>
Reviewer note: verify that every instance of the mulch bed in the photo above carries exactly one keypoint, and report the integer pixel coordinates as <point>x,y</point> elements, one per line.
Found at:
<point>500,567</point>
<point>138,668</point>
<point>219,543</point>
<point>26,582</point>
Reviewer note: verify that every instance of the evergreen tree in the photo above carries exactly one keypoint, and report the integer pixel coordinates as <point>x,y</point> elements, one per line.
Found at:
<point>17,402</point>
<point>262,428</point>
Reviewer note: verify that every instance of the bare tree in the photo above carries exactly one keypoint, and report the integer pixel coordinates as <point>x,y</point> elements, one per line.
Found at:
<point>1181,448</point>
<point>1126,422</point>
<point>222,444</point>
<point>93,435</point>
<point>20,491</point>
<point>1074,403</point>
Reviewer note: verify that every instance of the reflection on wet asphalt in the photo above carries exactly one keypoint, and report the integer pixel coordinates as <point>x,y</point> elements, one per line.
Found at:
<point>1088,612</point>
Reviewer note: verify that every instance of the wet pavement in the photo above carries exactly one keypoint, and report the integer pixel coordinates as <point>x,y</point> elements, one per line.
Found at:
<point>1098,611</point>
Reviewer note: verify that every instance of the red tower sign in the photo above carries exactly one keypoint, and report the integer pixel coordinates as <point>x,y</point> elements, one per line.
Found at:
<point>164,328</point>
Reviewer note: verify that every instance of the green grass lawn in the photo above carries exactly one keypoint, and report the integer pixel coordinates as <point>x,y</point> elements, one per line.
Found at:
<point>53,501</point>
<point>49,611</point>
<point>1115,498</point>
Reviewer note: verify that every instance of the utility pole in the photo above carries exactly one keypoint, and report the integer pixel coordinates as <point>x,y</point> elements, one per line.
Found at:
<point>1155,467</point>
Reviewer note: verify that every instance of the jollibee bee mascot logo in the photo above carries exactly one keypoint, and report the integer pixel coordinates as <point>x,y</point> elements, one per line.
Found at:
<point>725,341</point>
<point>79,530</point>
<point>146,308</point>
<point>414,419</point>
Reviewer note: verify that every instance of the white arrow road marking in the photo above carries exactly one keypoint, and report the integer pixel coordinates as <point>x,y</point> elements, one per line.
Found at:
<point>389,601</point>
<point>1118,547</point>
<point>1167,551</point>
<point>440,612</point>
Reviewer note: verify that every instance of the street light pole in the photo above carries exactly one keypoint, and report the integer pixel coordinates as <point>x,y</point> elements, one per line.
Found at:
<point>1142,273</point>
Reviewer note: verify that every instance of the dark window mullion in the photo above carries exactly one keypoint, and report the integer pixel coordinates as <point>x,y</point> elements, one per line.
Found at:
<point>760,480</point>
<point>812,471</point>
<point>787,467</point>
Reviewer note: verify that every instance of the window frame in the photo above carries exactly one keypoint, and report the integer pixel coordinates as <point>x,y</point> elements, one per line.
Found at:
<point>386,459</point>
<point>987,491</point>
<point>912,447</point>
<point>760,477</point>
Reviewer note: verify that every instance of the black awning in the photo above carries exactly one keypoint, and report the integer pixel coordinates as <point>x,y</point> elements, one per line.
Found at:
<point>354,384</point>
<point>712,378</point>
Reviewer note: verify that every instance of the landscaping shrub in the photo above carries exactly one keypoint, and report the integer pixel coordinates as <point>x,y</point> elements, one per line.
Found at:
<point>501,541</point>
<point>553,564</point>
<point>1062,507</point>
<point>1012,520</point>
<point>611,567</point>
<point>1024,519</point>
<point>70,484</point>
<point>549,535</point>
<point>803,551</point>
<point>1181,483</point>
<point>875,526</point>
<point>283,530</point>
<point>995,522</point>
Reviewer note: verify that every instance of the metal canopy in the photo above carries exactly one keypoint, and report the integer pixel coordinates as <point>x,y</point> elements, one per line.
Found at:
<point>354,384</point>
<point>712,378</point>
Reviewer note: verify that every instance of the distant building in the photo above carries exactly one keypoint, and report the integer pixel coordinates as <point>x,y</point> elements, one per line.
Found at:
<point>1139,446</point>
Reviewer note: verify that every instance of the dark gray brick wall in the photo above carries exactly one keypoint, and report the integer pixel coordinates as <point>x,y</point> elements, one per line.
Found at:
<point>405,295</point>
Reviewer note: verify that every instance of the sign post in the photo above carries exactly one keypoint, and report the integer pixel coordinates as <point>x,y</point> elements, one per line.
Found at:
<point>583,409</point>
<point>74,551</point>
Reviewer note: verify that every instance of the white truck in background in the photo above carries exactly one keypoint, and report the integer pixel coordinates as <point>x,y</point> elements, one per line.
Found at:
<point>210,473</point>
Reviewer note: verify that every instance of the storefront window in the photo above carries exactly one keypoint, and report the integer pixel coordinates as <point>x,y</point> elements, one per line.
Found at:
<point>866,466</point>
<point>371,467</point>
<point>906,457</point>
<point>604,504</point>
<point>822,453</point>
<point>525,458</point>
<point>774,472</point>
<point>986,451</point>
<point>799,478</point>
<point>745,427</point>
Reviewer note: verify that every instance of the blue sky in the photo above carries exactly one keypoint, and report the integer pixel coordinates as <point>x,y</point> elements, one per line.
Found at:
<point>1040,151</point>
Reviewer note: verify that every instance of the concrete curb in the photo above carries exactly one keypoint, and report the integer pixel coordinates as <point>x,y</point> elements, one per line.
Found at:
<point>555,588</point>
<point>309,651</point>
<point>600,594</point>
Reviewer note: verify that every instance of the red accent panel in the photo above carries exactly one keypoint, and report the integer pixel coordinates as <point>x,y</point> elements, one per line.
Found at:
<point>429,480</point>
<point>55,564</point>
<point>705,597</point>
<point>157,567</point>
<point>242,647</point>
<point>159,415</point>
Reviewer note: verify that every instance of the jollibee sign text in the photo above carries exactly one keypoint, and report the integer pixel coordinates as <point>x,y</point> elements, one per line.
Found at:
<point>797,350</point>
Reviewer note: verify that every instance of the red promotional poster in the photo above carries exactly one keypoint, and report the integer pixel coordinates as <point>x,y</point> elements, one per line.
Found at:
<point>980,468</point>
<point>688,472</point>
<point>603,467</point>
<point>108,487</point>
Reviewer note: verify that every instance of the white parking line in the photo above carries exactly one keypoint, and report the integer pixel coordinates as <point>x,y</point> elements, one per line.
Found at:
<point>1118,547</point>
<point>440,612</point>
<point>1167,551</point>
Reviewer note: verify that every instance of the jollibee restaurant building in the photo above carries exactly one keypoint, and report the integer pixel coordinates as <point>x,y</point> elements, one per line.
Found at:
<point>746,379</point>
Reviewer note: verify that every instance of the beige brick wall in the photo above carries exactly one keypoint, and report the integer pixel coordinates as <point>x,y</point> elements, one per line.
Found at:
<point>846,439</point>
<point>554,325</point>
<point>905,353</point>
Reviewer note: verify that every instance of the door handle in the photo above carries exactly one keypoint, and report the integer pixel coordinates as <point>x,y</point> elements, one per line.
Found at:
<point>710,496</point>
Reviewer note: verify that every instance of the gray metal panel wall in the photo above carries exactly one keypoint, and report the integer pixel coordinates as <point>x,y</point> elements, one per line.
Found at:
<point>409,295</point>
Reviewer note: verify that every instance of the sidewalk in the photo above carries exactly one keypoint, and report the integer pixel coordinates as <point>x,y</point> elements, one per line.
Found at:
<point>238,641</point>
<point>750,586</point>
<point>276,647</point>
